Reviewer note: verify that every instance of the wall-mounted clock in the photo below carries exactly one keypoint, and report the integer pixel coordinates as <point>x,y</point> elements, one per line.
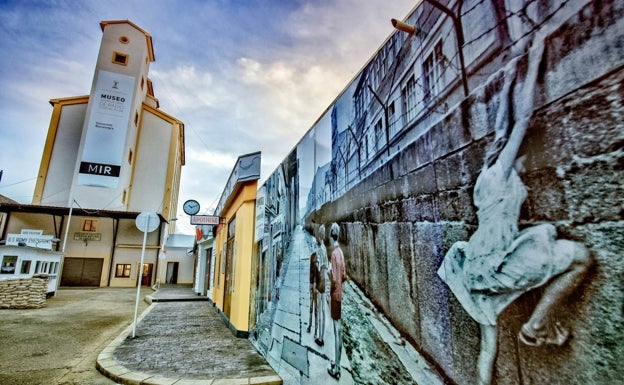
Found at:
<point>191,207</point>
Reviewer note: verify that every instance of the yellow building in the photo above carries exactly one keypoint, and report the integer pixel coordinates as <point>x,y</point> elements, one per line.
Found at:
<point>235,266</point>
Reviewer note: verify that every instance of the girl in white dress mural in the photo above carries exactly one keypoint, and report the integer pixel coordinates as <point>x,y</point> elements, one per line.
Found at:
<point>499,262</point>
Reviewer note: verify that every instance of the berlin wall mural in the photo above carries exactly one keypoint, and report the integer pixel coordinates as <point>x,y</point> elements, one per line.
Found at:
<point>455,216</point>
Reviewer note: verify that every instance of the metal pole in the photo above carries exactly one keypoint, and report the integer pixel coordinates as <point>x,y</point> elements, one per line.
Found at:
<point>71,208</point>
<point>136,304</point>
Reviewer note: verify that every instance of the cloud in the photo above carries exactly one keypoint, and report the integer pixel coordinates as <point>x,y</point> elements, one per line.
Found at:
<point>242,76</point>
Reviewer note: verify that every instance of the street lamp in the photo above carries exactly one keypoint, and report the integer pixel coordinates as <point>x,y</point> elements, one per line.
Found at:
<point>459,35</point>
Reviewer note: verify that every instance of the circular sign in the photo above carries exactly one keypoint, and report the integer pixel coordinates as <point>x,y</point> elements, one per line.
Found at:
<point>191,207</point>
<point>147,221</point>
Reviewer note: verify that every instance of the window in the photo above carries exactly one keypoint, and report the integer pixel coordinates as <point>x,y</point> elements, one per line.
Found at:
<point>130,156</point>
<point>124,39</point>
<point>378,135</point>
<point>391,120</point>
<point>136,118</point>
<point>90,225</point>
<point>120,58</point>
<point>25,269</point>
<point>122,270</point>
<point>409,99</point>
<point>432,72</point>
<point>8,264</point>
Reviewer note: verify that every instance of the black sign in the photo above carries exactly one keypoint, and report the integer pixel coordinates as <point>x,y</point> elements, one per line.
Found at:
<point>99,169</point>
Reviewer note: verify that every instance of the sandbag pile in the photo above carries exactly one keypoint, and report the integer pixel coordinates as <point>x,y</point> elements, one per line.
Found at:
<point>24,293</point>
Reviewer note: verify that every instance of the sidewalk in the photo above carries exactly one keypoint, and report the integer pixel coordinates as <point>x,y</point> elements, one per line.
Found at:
<point>181,339</point>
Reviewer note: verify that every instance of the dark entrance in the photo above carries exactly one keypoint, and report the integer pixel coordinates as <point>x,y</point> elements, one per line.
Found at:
<point>172,272</point>
<point>146,274</point>
<point>82,272</point>
<point>229,269</point>
<point>207,272</point>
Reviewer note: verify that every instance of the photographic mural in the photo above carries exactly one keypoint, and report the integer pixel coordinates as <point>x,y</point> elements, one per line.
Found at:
<point>455,215</point>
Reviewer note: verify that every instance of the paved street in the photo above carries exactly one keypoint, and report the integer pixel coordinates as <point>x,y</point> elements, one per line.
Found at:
<point>59,343</point>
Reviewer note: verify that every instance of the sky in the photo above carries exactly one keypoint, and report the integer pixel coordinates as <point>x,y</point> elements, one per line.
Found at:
<point>243,76</point>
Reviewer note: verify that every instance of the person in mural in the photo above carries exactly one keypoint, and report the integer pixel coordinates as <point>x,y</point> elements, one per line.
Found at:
<point>313,296</point>
<point>337,276</point>
<point>500,262</point>
<point>321,278</point>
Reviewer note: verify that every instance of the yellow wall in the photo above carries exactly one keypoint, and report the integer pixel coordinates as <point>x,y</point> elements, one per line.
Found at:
<point>242,206</point>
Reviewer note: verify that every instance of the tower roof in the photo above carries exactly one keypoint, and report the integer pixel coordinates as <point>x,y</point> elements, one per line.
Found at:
<point>148,37</point>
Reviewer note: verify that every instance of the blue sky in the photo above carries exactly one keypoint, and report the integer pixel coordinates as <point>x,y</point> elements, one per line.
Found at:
<point>243,76</point>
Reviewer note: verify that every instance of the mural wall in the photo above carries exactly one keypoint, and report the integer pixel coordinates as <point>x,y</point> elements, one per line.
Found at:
<point>455,216</point>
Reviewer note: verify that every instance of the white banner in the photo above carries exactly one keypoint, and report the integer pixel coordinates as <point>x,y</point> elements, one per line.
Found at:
<point>106,130</point>
<point>32,240</point>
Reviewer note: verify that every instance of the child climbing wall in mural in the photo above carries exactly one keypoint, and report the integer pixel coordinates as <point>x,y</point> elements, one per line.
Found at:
<point>500,262</point>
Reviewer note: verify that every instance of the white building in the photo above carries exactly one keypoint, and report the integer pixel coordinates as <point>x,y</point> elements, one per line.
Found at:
<point>108,156</point>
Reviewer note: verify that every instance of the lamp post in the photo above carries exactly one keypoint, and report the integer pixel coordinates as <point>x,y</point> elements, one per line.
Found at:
<point>459,35</point>
<point>71,209</point>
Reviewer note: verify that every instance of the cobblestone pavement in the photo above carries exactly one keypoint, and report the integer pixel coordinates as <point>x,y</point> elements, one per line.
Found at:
<point>183,342</point>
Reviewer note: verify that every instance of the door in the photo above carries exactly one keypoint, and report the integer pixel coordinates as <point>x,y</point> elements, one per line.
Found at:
<point>207,276</point>
<point>172,272</point>
<point>229,269</point>
<point>146,274</point>
<point>82,272</point>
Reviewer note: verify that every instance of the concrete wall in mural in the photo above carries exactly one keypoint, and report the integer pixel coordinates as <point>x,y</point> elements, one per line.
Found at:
<point>474,198</point>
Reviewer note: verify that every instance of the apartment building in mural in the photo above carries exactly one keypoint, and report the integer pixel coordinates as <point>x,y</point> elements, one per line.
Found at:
<point>109,156</point>
<point>517,290</point>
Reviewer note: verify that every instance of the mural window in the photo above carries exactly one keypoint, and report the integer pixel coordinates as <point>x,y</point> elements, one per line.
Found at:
<point>409,99</point>
<point>120,58</point>
<point>122,270</point>
<point>8,264</point>
<point>90,225</point>
<point>378,135</point>
<point>432,72</point>
<point>25,269</point>
<point>392,120</point>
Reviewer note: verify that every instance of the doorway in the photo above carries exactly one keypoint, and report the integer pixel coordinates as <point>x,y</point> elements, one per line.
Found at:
<point>230,250</point>
<point>207,273</point>
<point>146,274</point>
<point>172,272</point>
